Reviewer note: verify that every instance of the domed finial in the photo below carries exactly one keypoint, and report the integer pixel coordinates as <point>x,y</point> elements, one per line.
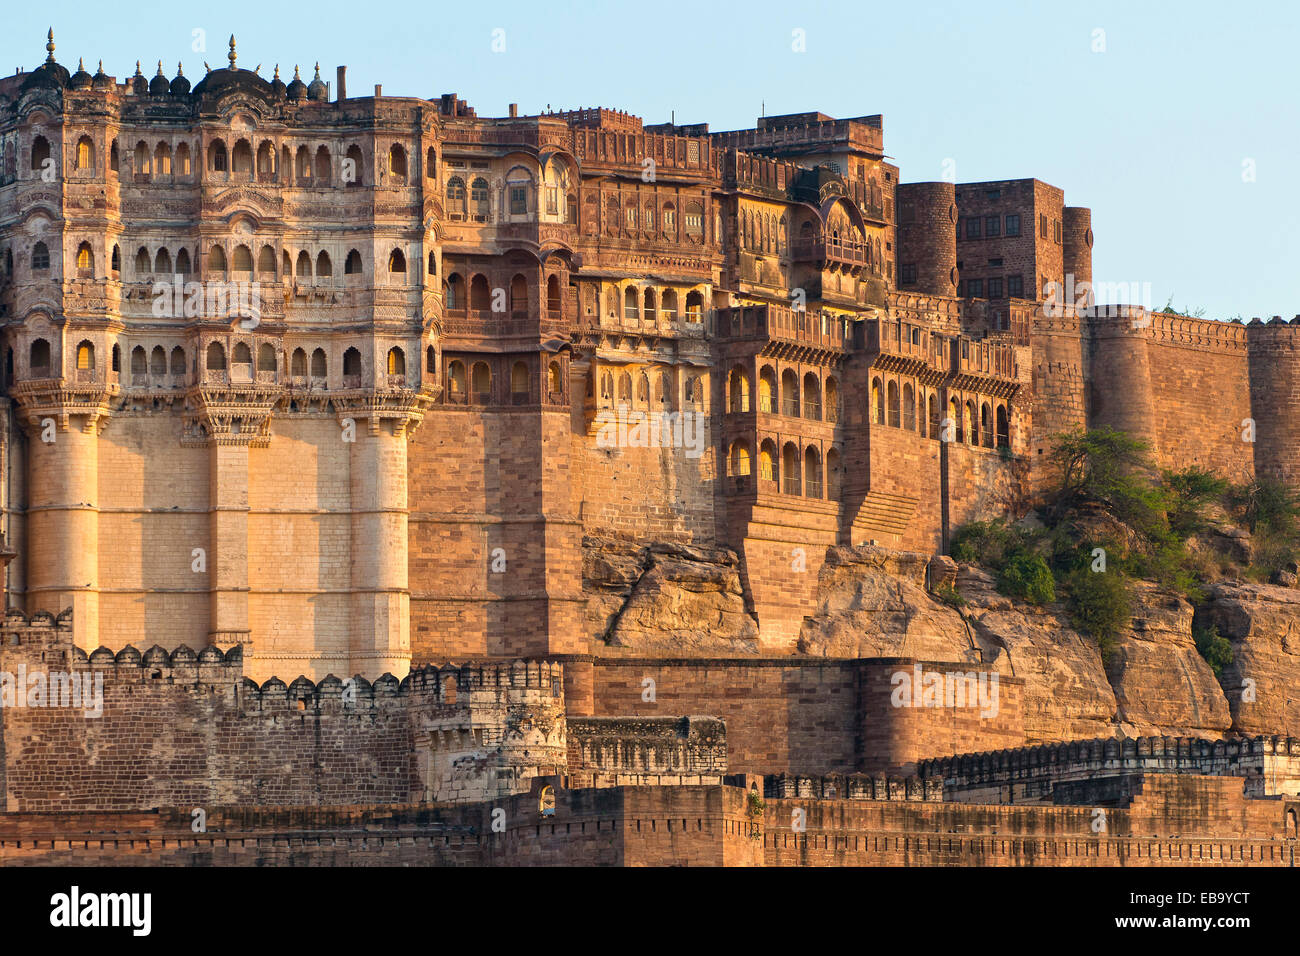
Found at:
<point>81,65</point>
<point>49,46</point>
<point>318,69</point>
<point>179,71</point>
<point>137,68</point>
<point>160,72</point>
<point>277,72</point>
<point>231,55</point>
<point>295,72</point>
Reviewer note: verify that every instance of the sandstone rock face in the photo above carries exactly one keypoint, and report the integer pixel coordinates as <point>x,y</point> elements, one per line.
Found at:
<point>667,600</point>
<point>1066,695</point>
<point>1162,684</point>
<point>1262,684</point>
<point>872,602</point>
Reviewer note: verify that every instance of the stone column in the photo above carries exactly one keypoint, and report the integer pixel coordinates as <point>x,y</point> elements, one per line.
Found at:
<point>380,631</point>
<point>228,562</point>
<point>63,522</point>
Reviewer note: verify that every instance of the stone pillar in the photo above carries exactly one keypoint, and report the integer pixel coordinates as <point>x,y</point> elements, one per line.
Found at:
<point>63,523</point>
<point>380,631</point>
<point>228,562</point>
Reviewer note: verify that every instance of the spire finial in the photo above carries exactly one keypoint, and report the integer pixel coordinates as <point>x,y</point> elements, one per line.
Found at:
<point>137,68</point>
<point>49,46</point>
<point>179,71</point>
<point>160,72</point>
<point>231,55</point>
<point>295,72</point>
<point>318,69</point>
<point>277,72</point>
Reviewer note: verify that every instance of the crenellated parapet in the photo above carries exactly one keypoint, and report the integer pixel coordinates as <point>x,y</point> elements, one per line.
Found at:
<point>1029,774</point>
<point>854,786</point>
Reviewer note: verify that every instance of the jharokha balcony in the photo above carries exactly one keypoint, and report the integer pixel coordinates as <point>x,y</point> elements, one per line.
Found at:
<point>776,324</point>
<point>831,252</point>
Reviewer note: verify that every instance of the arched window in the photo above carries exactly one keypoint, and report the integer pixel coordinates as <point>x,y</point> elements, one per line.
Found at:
<point>909,407</point>
<point>324,268</point>
<point>303,268</point>
<point>242,355</point>
<point>739,458</point>
<point>766,389</point>
<point>397,161</point>
<point>319,366</point>
<point>812,473</point>
<point>265,161</point>
<point>85,356</point>
<point>969,426</point>
<point>352,265</point>
<point>812,397</point>
<point>457,386</point>
<point>40,153</point>
<point>456,197</point>
<point>183,159</point>
<point>694,391</point>
<point>625,390</point>
<point>142,262</point>
<point>266,357</point>
<point>738,387</point>
<point>397,262</point>
<point>158,361</point>
<point>1004,427</point>
<point>115,263</point>
<point>519,384</point>
<point>649,311</point>
<point>266,262</point>
<point>789,394</point>
<point>298,364</point>
<point>629,303</point>
<point>453,293</point>
<point>85,155</point>
<point>643,390</point>
<point>352,368</point>
<point>433,263</point>
<point>302,165</point>
<point>790,469</point>
<point>162,263</point>
<point>218,153</point>
<point>396,361</point>
<point>241,159</point>
<point>481,382</point>
<point>139,362</point>
<point>354,169</point>
<point>891,391</point>
<point>431,163</point>
<point>694,307</point>
<point>986,425</point>
<point>321,175</point>
<point>85,261</point>
<point>242,260</point>
<point>767,460</point>
<point>217,260</point>
<point>553,306</point>
<point>832,399</point>
<point>480,200</point>
<point>554,383</point>
<point>40,257</point>
<point>216,357</point>
<point>519,296</point>
<point>519,188</point>
<point>668,304</point>
<point>934,415</point>
<point>178,362</point>
<point>480,299</point>
<point>162,159</point>
<point>183,262</point>
<point>954,412</point>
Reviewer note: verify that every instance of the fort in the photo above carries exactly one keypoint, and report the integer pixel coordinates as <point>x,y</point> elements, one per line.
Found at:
<point>598,473</point>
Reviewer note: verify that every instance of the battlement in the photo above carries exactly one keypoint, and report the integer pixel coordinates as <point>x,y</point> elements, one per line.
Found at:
<point>809,132</point>
<point>854,786</point>
<point>597,117</point>
<point>1030,774</point>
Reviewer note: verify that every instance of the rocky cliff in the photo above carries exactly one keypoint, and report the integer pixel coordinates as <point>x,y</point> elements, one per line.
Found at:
<point>680,601</point>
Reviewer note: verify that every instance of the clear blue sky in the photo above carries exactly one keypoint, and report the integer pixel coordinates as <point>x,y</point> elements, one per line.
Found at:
<point>1152,133</point>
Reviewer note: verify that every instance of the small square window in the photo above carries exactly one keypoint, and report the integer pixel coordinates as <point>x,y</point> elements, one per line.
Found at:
<point>1016,286</point>
<point>995,288</point>
<point>907,274</point>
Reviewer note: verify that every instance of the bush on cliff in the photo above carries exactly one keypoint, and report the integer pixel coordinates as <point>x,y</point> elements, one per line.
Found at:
<point>1215,649</point>
<point>1109,468</point>
<point>1028,577</point>
<point>1188,493</point>
<point>1100,605</point>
